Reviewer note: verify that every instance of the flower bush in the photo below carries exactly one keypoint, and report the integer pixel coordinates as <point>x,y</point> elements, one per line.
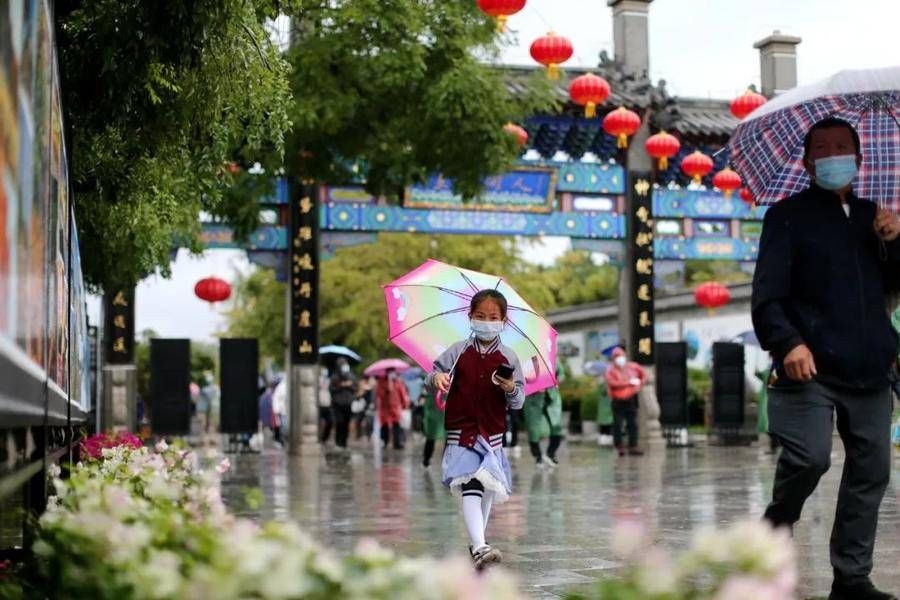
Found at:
<point>136,523</point>
<point>747,561</point>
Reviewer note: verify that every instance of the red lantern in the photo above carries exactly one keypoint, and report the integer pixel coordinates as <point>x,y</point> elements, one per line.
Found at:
<point>727,181</point>
<point>663,146</point>
<point>212,290</point>
<point>551,51</point>
<point>746,103</point>
<point>622,123</point>
<point>697,165</point>
<point>712,295</point>
<point>520,134</point>
<point>747,196</point>
<point>501,10</point>
<point>588,91</point>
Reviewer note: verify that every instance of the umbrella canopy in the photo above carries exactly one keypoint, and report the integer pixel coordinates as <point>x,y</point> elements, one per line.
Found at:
<point>333,352</point>
<point>595,368</point>
<point>428,310</point>
<point>748,338</point>
<point>379,368</point>
<point>767,147</point>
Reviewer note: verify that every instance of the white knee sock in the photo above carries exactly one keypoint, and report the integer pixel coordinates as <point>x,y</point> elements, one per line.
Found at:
<point>486,501</point>
<point>471,509</point>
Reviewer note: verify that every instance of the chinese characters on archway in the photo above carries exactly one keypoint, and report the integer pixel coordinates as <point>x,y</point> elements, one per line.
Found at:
<point>304,276</point>
<point>641,239</point>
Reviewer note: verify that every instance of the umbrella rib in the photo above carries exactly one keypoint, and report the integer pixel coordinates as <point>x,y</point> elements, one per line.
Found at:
<point>536,349</point>
<point>469,281</point>
<point>434,316</point>
<point>456,293</point>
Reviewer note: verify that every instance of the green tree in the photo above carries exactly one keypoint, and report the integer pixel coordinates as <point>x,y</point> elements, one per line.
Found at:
<point>258,312</point>
<point>396,90</point>
<point>352,304</point>
<point>723,271</point>
<point>160,98</point>
<point>576,279</point>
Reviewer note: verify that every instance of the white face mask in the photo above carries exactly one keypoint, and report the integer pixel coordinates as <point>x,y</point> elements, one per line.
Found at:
<point>486,330</point>
<point>620,361</point>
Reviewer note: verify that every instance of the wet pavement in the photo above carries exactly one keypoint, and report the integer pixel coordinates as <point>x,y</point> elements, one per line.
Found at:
<point>554,531</point>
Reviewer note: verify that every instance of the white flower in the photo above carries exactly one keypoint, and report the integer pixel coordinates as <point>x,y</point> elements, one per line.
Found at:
<point>223,466</point>
<point>656,574</point>
<point>710,546</point>
<point>161,576</point>
<point>629,536</point>
<point>53,470</point>
<point>161,446</point>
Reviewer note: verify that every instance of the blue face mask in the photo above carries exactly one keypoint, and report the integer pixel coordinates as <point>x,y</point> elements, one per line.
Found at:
<point>486,330</point>
<point>835,172</point>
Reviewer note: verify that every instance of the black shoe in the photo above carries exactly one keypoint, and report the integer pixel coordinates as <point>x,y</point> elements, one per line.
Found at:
<point>863,590</point>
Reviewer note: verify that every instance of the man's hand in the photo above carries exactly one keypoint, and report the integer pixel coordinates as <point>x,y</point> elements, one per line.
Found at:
<point>799,364</point>
<point>442,382</point>
<point>635,381</point>
<point>887,225</point>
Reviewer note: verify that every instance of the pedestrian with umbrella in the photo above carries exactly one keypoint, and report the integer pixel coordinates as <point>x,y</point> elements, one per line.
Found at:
<point>343,388</point>
<point>391,399</point>
<point>473,329</point>
<point>827,257</point>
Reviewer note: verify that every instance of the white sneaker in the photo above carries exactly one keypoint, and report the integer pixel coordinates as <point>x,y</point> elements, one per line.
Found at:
<point>485,556</point>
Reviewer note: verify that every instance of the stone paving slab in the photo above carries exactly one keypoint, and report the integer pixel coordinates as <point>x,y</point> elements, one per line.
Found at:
<point>554,531</point>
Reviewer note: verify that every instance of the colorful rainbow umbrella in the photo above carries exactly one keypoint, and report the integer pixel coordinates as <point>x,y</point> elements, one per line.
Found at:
<point>428,310</point>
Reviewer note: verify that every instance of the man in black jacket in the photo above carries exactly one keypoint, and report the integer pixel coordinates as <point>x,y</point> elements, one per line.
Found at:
<point>826,261</point>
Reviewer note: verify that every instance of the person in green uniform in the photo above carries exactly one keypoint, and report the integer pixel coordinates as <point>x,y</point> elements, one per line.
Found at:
<point>432,425</point>
<point>543,419</point>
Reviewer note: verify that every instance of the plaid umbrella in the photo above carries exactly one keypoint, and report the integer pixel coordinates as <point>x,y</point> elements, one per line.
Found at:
<point>767,147</point>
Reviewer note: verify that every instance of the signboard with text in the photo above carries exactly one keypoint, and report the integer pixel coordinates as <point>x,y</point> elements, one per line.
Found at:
<point>119,312</point>
<point>640,236</point>
<point>304,274</point>
<point>525,189</point>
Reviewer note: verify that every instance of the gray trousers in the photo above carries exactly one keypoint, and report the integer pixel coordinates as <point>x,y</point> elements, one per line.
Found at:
<point>801,419</point>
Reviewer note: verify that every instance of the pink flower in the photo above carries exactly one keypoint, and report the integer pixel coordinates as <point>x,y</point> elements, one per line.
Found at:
<point>223,466</point>
<point>92,447</point>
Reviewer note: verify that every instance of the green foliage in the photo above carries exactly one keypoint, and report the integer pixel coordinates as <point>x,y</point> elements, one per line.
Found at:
<point>158,97</point>
<point>699,386</point>
<point>352,299</point>
<point>352,302</point>
<point>258,312</point>
<point>400,88</point>
<point>576,279</point>
<point>583,390</point>
<point>723,271</point>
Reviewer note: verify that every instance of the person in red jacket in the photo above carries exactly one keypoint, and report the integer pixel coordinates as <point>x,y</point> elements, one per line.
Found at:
<point>624,380</point>
<point>392,399</point>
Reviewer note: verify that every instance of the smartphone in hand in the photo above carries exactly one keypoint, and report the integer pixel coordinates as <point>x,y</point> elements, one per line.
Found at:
<point>505,372</point>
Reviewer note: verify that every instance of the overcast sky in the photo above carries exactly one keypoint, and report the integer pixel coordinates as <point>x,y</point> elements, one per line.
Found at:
<point>700,47</point>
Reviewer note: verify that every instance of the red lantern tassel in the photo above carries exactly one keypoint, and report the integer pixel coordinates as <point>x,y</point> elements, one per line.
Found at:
<point>623,141</point>
<point>553,71</point>
<point>728,193</point>
<point>664,163</point>
<point>501,23</point>
<point>697,180</point>
<point>590,110</point>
